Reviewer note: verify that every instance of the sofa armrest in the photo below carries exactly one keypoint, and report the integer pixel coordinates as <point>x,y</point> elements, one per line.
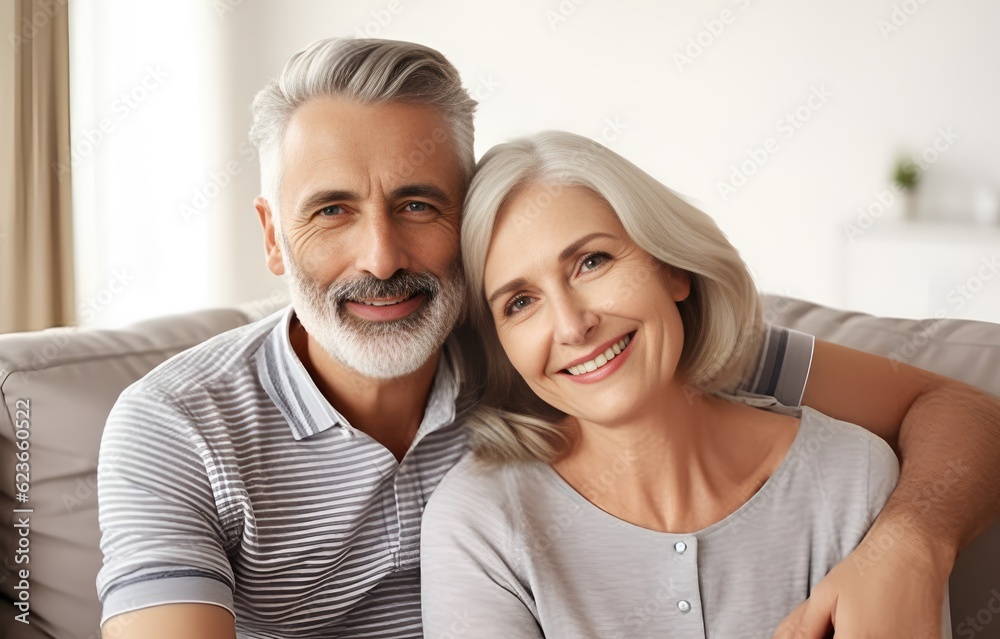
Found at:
<point>69,379</point>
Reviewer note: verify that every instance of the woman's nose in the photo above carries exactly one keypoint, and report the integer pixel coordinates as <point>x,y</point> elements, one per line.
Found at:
<point>575,319</point>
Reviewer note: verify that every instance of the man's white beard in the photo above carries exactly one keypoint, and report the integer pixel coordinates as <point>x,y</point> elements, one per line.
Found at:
<point>378,350</point>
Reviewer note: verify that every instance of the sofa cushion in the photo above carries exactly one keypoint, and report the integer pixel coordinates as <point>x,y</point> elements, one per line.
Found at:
<point>69,379</point>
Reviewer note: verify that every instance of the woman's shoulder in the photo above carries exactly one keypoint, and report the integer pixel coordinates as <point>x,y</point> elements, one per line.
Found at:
<point>476,488</point>
<point>818,437</point>
<point>820,455</point>
<point>840,441</point>
<point>842,455</point>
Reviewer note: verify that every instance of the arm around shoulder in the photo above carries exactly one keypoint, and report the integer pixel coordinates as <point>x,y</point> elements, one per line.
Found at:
<point>947,435</point>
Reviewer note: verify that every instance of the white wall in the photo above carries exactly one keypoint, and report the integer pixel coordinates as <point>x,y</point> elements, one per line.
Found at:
<point>582,64</point>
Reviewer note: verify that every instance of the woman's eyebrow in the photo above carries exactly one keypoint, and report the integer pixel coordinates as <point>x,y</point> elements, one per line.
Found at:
<point>512,285</point>
<point>566,254</point>
<point>575,246</point>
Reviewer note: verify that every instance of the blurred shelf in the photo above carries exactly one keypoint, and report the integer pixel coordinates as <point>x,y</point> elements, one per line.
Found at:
<point>933,232</point>
<point>923,270</point>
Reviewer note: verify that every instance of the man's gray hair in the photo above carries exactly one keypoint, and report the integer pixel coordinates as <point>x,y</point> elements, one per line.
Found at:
<point>366,70</point>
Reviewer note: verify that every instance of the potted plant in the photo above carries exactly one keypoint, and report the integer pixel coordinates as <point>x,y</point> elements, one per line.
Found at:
<point>906,175</point>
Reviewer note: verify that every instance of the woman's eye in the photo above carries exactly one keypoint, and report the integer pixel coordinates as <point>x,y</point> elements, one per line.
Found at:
<point>331,211</point>
<point>592,261</point>
<point>517,305</point>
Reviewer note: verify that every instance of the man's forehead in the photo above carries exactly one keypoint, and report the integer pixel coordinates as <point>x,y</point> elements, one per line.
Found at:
<point>337,124</point>
<point>333,143</point>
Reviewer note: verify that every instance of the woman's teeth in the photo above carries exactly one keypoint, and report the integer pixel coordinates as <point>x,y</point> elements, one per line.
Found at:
<point>602,359</point>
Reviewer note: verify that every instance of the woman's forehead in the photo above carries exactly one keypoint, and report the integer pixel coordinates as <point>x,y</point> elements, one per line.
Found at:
<point>541,207</point>
<point>540,222</point>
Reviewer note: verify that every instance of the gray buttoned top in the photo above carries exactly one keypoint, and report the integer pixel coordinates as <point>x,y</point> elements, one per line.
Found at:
<point>514,551</point>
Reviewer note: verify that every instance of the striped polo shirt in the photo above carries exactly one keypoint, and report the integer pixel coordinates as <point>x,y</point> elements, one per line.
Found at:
<point>227,478</point>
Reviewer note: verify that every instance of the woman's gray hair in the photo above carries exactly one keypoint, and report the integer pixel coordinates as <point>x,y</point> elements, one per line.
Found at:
<point>721,316</point>
<point>366,70</point>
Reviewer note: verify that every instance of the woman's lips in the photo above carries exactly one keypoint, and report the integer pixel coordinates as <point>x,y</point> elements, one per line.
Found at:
<point>612,365</point>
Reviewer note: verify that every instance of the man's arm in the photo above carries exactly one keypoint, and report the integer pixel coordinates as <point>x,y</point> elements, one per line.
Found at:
<point>165,566</point>
<point>947,435</point>
<point>192,621</point>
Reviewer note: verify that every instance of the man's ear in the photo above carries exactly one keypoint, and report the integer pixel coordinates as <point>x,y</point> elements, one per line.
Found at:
<point>272,247</point>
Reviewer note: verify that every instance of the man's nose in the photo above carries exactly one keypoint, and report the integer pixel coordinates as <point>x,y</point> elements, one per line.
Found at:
<point>380,248</point>
<point>575,319</point>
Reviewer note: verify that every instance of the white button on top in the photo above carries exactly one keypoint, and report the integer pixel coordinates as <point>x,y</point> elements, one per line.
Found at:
<point>684,606</point>
<point>680,547</point>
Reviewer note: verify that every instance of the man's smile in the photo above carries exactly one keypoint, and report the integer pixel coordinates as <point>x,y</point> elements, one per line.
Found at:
<point>386,309</point>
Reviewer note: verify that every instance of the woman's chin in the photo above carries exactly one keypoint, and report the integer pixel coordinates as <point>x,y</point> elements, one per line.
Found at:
<point>607,413</point>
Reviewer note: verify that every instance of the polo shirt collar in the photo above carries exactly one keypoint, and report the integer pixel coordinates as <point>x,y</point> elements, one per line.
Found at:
<point>308,412</point>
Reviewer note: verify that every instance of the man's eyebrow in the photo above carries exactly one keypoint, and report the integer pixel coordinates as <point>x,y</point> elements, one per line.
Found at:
<point>422,190</point>
<point>566,254</point>
<point>327,195</point>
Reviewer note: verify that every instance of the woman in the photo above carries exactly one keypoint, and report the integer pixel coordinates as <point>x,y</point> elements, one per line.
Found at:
<point>615,490</point>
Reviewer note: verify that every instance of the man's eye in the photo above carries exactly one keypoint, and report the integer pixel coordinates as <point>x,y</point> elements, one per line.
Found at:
<point>331,211</point>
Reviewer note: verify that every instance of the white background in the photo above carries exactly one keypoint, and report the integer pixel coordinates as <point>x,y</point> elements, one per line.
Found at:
<point>164,215</point>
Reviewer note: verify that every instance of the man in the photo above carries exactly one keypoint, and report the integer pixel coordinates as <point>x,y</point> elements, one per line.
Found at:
<point>270,482</point>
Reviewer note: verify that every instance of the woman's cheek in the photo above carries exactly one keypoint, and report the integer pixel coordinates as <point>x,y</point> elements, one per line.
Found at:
<point>519,353</point>
<point>638,282</point>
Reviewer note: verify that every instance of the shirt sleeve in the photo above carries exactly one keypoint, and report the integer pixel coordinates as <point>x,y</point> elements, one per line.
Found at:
<point>783,365</point>
<point>160,531</point>
<point>467,588</point>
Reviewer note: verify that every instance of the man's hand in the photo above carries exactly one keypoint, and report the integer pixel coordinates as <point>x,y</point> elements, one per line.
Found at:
<point>891,586</point>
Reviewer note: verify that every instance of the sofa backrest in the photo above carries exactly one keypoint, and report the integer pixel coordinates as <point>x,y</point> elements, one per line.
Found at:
<point>58,387</point>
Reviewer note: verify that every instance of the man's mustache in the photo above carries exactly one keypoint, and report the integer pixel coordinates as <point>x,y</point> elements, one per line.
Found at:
<point>401,284</point>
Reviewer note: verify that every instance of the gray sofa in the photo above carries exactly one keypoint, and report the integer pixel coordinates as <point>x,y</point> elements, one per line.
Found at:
<point>72,377</point>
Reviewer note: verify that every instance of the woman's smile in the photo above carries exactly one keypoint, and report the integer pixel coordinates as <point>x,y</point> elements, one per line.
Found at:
<point>609,358</point>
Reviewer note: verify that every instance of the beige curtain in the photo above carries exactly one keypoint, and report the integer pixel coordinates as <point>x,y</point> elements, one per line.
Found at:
<point>36,257</point>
